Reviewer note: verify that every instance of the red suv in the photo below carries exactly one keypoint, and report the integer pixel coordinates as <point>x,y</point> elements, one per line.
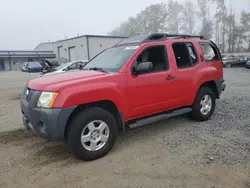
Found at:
<point>138,81</point>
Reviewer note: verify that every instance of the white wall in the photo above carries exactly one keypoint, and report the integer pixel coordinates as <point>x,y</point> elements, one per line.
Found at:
<point>6,64</point>
<point>79,43</point>
<point>96,45</point>
<point>45,47</point>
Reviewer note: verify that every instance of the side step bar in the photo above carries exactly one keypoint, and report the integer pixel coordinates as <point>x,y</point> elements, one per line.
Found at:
<point>159,117</point>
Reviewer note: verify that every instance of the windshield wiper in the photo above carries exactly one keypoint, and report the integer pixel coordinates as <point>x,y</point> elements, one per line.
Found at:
<point>98,69</point>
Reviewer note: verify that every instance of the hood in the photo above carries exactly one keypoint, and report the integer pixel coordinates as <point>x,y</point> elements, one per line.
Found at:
<point>55,81</point>
<point>52,72</point>
<point>49,64</point>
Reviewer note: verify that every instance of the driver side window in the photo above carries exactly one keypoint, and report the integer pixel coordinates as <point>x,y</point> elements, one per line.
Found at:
<point>156,55</point>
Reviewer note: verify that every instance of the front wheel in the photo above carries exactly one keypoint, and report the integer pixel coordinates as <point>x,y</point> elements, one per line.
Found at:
<point>92,133</point>
<point>204,104</point>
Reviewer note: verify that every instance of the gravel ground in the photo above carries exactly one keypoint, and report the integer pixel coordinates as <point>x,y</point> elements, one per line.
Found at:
<point>11,85</point>
<point>173,153</point>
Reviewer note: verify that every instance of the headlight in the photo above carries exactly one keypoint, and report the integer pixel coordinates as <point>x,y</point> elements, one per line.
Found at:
<point>47,99</point>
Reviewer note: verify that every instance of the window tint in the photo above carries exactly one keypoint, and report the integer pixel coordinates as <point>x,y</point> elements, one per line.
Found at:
<point>185,55</point>
<point>156,55</point>
<point>209,52</point>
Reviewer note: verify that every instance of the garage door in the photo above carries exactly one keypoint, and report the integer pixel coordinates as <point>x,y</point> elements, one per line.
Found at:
<point>60,51</point>
<point>72,54</point>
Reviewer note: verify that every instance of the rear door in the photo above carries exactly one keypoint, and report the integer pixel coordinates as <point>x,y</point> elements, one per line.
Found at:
<point>184,56</point>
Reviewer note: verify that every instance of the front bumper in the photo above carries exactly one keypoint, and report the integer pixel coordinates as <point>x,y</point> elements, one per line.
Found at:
<point>46,123</point>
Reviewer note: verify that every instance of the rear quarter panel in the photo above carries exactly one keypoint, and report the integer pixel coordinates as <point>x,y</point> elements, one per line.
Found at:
<point>208,71</point>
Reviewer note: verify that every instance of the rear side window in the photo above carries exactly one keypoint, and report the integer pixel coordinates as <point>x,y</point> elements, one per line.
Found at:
<point>209,52</point>
<point>185,55</point>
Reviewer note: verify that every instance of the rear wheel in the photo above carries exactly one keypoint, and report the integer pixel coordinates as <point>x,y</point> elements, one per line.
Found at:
<point>204,104</point>
<point>92,133</point>
<point>228,65</point>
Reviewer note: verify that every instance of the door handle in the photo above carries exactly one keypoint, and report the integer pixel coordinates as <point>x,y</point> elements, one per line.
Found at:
<point>170,77</point>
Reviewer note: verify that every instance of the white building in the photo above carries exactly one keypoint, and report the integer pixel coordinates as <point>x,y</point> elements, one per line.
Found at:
<point>80,48</point>
<point>14,59</point>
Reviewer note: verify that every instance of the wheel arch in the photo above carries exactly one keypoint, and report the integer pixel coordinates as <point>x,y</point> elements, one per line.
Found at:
<point>105,104</point>
<point>211,84</point>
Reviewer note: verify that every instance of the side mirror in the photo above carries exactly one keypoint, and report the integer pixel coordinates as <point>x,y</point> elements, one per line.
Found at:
<point>143,68</point>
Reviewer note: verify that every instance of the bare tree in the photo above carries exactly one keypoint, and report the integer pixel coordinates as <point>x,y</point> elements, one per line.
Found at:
<point>230,26</point>
<point>174,18</point>
<point>206,23</point>
<point>220,28</point>
<point>245,24</point>
<point>188,17</point>
<point>151,19</point>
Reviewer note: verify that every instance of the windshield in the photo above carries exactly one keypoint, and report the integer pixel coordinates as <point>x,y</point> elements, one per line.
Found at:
<point>34,64</point>
<point>62,66</point>
<point>112,59</point>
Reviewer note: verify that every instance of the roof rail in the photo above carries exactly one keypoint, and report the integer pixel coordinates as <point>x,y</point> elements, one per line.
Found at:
<point>154,37</point>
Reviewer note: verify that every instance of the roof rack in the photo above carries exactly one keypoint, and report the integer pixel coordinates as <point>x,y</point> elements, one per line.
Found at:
<point>154,37</point>
<point>163,36</point>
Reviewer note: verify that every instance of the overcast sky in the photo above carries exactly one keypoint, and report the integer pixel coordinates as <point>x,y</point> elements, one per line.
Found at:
<point>26,23</point>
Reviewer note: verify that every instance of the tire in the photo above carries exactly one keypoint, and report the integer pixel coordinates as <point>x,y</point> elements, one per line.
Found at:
<point>228,65</point>
<point>80,124</point>
<point>197,113</point>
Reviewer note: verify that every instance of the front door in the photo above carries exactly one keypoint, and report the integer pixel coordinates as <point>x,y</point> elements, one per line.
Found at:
<point>153,91</point>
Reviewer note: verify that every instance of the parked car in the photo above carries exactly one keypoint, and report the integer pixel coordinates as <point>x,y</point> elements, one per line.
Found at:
<point>138,81</point>
<point>69,66</point>
<point>49,65</point>
<point>32,67</point>
<point>248,62</point>
<point>248,65</point>
<point>230,61</point>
